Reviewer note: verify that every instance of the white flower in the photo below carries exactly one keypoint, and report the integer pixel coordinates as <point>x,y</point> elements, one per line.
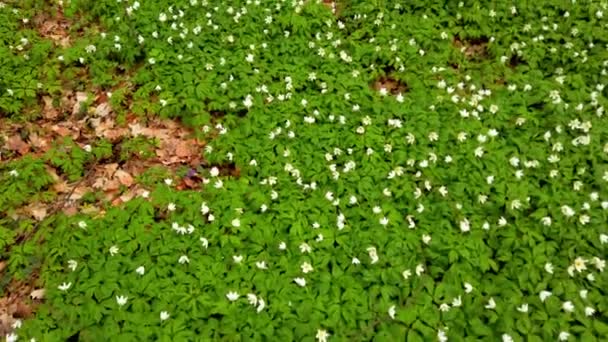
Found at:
<point>589,311</point>
<point>232,296</point>
<point>444,307</point>
<point>391,312</point>
<point>523,308</point>
<point>579,264</point>
<point>282,246</point>
<point>13,173</point>
<point>113,250</point>
<point>599,263</point>
<point>121,300</point>
<point>72,264</point>
<point>491,304</point>
<point>502,221</point>
<point>322,335</point>
<point>171,207</point>
<point>603,238</point>
<point>261,305</point>
<point>426,239</point>
<point>252,299</point>
<point>306,267</point>
<point>507,338</point>
<point>356,261</point>
<point>164,315</point>
<point>372,254</point>
<point>563,336</point>
<point>64,286</point>
<point>183,259</point>
<point>544,295</point>
<point>12,337</point>
<point>549,268</point>
<point>441,336</point>
<point>567,211</point>
<point>384,221</point>
<point>300,281</point>
<point>465,226</point>
<point>568,306</point>
<point>419,269</point>
<point>305,248</point>
<point>236,222</point>
<point>248,102</point>
<point>406,274</point>
<point>583,293</point>
<point>468,288</point>
<point>237,259</point>
<point>261,265</point>
<point>456,302</point>
<point>140,270</point>
<point>204,242</point>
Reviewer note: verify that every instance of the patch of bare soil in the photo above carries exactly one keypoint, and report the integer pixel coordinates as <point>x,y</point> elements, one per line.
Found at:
<point>392,85</point>
<point>52,25</point>
<point>332,5</point>
<point>18,301</point>
<point>472,47</point>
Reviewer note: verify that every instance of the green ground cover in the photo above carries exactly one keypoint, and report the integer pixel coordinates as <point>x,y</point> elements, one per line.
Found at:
<point>421,171</point>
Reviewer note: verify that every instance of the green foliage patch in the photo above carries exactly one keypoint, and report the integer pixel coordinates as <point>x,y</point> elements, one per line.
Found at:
<point>421,171</point>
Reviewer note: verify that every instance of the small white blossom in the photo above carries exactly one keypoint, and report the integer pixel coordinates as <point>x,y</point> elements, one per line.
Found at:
<point>322,335</point>
<point>121,300</point>
<point>544,295</point>
<point>300,281</point>
<point>391,312</point>
<point>232,296</point>
<point>72,265</point>
<point>419,269</point>
<point>64,286</point>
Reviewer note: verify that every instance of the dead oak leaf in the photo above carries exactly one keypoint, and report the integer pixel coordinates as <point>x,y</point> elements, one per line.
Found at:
<point>16,144</point>
<point>124,178</point>
<point>38,211</point>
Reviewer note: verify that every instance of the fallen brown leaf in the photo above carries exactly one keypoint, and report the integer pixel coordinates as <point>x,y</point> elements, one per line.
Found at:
<point>49,111</point>
<point>81,97</point>
<point>38,211</point>
<point>124,178</point>
<point>38,294</point>
<point>103,109</point>
<point>15,143</point>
